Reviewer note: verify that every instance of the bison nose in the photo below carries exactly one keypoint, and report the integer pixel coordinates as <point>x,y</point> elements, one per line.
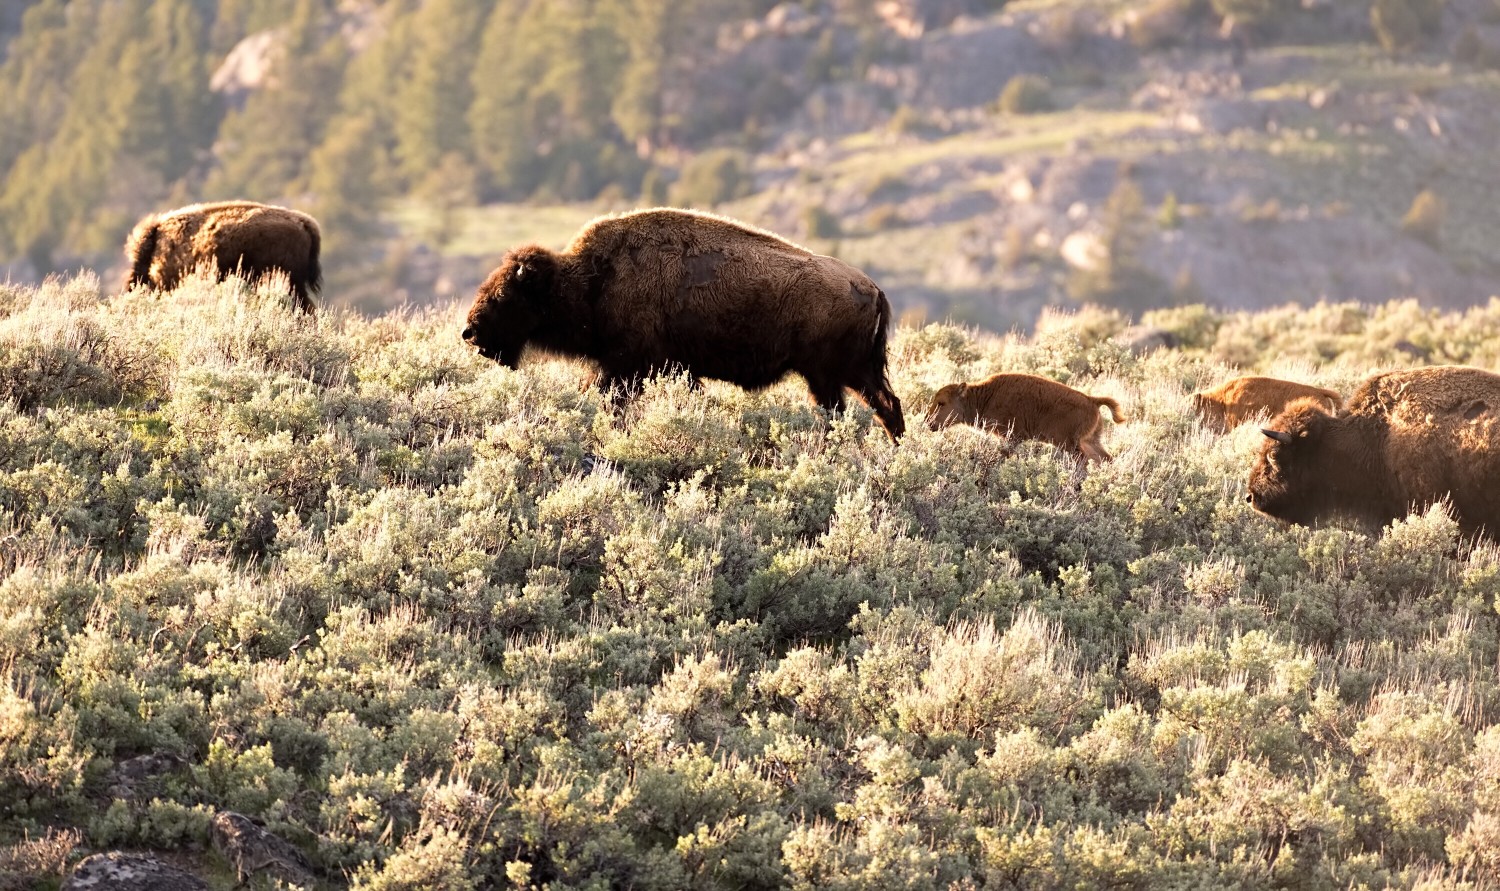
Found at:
<point>469,334</point>
<point>1250,498</point>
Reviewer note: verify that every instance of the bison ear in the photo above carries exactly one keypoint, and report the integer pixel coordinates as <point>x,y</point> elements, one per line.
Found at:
<point>1280,436</point>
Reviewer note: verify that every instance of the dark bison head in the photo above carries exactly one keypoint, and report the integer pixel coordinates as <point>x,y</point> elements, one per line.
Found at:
<point>1296,475</point>
<point>511,305</point>
<point>950,405</point>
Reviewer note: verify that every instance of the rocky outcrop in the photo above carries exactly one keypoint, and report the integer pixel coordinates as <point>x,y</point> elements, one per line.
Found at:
<point>249,848</point>
<point>117,871</point>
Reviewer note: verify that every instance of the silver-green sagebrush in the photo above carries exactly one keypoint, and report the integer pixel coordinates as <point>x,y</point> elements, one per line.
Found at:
<point>443,624</point>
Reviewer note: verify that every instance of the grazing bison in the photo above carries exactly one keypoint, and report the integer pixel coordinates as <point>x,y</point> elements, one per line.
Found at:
<point>1406,440</point>
<point>1234,402</point>
<point>1027,407</point>
<point>643,292</point>
<point>228,237</point>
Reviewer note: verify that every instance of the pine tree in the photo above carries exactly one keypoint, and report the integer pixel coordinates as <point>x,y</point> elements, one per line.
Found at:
<point>667,42</point>
<point>543,87</point>
<point>434,93</point>
<point>262,148</point>
<point>348,186</point>
<point>190,110</point>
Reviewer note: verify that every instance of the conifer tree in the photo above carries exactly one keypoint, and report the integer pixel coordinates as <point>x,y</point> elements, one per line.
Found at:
<point>434,92</point>
<point>263,147</point>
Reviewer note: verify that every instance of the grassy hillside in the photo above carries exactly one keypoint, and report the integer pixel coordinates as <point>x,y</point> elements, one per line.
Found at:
<point>444,625</point>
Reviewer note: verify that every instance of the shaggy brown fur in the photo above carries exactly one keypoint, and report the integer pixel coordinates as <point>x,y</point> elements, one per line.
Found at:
<point>227,237</point>
<point>1027,407</point>
<point>643,292</point>
<point>1407,440</point>
<point>1234,402</point>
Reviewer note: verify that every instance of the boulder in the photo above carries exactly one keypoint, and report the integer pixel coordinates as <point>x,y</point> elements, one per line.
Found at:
<point>250,849</point>
<point>116,871</point>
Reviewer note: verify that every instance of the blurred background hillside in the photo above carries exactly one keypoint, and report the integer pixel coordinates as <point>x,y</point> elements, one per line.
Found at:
<point>982,159</point>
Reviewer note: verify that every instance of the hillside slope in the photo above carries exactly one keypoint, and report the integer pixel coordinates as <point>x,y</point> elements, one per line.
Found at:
<point>982,159</point>
<point>441,624</point>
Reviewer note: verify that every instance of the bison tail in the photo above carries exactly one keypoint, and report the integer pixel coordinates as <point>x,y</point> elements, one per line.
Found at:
<point>309,279</point>
<point>140,250</point>
<point>1112,405</point>
<point>877,390</point>
<point>314,265</point>
<point>881,336</point>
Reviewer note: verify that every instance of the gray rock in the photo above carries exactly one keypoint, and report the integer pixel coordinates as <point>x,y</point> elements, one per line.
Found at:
<point>117,871</point>
<point>143,777</point>
<point>250,849</point>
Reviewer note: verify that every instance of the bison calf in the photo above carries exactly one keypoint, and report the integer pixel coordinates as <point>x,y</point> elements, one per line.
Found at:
<point>640,293</point>
<point>1234,402</point>
<point>227,237</point>
<point>1407,439</point>
<point>1027,407</point>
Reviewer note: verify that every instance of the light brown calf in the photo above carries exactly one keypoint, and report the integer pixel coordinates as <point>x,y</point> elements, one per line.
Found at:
<point>1025,406</point>
<point>1234,402</point>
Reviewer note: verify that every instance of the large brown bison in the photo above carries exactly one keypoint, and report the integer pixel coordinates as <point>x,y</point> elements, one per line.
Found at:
<point>227,237</point>
<point>639,293</point>
<point>1025,406</point>
<point>1407,439</point>
<point>1236,401</point>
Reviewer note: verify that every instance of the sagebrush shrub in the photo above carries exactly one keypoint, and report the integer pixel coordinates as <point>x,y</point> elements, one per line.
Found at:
<point>445,624</point>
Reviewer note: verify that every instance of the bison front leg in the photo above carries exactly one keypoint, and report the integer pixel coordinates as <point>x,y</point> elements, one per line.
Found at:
<point>827,395</point>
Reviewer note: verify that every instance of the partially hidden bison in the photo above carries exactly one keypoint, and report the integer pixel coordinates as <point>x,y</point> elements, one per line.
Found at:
<point>1026,406</point>
<point>645,292</point>
<point>1405,440</point>
<point>1234,402</point>
<point>227,237</point>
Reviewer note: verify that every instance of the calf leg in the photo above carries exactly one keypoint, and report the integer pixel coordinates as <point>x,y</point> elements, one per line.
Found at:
<point>1093,450</point>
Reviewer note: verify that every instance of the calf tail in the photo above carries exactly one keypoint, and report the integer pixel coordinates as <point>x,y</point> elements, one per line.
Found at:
<point>1112,405</point>
<point>140,250</point>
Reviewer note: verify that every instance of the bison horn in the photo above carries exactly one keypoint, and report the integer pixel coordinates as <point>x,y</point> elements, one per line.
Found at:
<point>520,271</point>
<point>1280,436</point>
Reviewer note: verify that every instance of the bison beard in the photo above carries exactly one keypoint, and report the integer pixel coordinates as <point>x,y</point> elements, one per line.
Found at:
<point>651,291</point>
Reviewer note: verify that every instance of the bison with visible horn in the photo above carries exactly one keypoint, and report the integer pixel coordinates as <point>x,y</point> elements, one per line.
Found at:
<point>643,292</point>
<point>1407,439</point>
<point>1026,406</point>
<point>228,237</point>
